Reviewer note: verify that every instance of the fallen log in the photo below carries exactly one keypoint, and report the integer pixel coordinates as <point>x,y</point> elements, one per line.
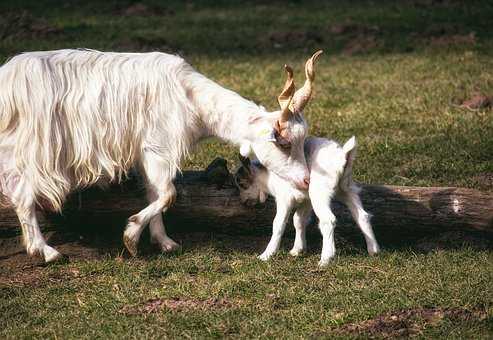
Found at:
<point>209,200</point>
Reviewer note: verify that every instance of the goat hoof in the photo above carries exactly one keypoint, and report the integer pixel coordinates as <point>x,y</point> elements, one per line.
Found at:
<point>130,244</point>
<point>264,257</point>
<point>296,252</point>
<point>323,263</point>
<point>374,251</point>
<point>52,255</point>
<point>169,246</point>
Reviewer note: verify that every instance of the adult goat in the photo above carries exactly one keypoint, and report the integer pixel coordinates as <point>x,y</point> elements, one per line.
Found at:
<point>72,118</point>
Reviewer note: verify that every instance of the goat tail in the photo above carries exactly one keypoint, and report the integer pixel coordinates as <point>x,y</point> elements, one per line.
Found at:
<point>349,149</point>
<point>349,146</point>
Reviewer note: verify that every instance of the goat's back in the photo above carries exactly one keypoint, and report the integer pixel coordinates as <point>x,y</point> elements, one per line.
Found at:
<point>74,116</point>
<point>325,157</point>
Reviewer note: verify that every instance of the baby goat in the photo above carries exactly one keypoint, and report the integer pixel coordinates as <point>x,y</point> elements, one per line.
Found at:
<point>330,176</point>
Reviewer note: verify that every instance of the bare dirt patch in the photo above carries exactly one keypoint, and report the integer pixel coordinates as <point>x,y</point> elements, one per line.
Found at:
<point>27,276</point>
<point>351,28</point>
<point>25,26</point>
<point>410,321</point>
<point>360,38</point>
<point>455,39</point>
<point>143,10</point>
<point>21,269</point>
<point>361,44</point>
<point>356,37</point>
<point>435,3</point>
<point>156,305</point>
<point>145,44</point>
<point>477,101</point>
<point>33,274</point>
<point>281,39</point>
<point>445,35</point>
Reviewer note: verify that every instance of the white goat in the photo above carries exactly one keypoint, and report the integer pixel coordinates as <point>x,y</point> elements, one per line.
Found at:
<point>330,176</point>
<point>72,118</point>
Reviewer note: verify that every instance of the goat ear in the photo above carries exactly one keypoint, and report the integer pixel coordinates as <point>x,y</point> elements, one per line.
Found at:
<point>281,135</point>
<point>267,135</point>
<point>245,161</point>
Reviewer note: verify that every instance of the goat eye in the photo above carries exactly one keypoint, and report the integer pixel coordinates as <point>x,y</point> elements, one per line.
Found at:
<point>286,146</point>
<point>282,142</point>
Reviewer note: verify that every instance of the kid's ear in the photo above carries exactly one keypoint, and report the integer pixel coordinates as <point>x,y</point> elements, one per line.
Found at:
<point>243,177</point>
<point>245,161</point>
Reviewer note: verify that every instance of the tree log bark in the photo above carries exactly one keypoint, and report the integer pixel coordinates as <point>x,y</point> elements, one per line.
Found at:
<point>209,200</point>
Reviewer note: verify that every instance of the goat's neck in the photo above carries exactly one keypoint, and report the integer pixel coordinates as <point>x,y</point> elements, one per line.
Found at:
<point>223,113</point>
<point>279,187</point>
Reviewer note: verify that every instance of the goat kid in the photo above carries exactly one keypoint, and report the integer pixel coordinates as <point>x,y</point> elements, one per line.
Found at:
<point>330,177</point>
<point>73,118</point>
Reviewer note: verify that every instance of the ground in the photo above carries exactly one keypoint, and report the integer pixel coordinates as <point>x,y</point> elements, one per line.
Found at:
<point>411,80</point>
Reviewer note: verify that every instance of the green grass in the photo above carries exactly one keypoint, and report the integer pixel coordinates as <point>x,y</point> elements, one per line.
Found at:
<point>397,91</point>
<point>285,297</point>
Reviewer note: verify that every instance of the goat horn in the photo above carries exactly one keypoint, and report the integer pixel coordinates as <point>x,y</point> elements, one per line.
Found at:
<point>303,95</point>
<point>286,96</point>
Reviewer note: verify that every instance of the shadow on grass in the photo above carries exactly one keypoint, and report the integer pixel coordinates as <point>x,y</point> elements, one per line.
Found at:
<point>400,224</point>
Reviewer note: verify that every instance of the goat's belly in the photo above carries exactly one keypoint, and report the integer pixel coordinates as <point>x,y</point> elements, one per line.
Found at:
<point>299,196</point>
<point>9,179</point>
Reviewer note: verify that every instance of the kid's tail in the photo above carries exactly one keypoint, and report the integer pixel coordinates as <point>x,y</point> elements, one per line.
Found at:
<point>349,145</point>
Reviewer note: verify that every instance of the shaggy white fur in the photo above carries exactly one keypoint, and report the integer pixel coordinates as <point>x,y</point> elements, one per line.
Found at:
<point>71,118</point>
<point>330,176</point>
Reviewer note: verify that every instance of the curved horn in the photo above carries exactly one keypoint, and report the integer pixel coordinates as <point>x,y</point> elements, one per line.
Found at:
<point>286,96</point>
<point>303,95</point>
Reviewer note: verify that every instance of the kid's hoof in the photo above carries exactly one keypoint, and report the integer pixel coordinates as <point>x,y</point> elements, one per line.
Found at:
<point>296,252</point>
<point>264,257</point>
<point>323,263</point>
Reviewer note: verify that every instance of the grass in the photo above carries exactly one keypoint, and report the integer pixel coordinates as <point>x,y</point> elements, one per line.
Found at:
<point>286,297</point>
<point>392,74</point>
